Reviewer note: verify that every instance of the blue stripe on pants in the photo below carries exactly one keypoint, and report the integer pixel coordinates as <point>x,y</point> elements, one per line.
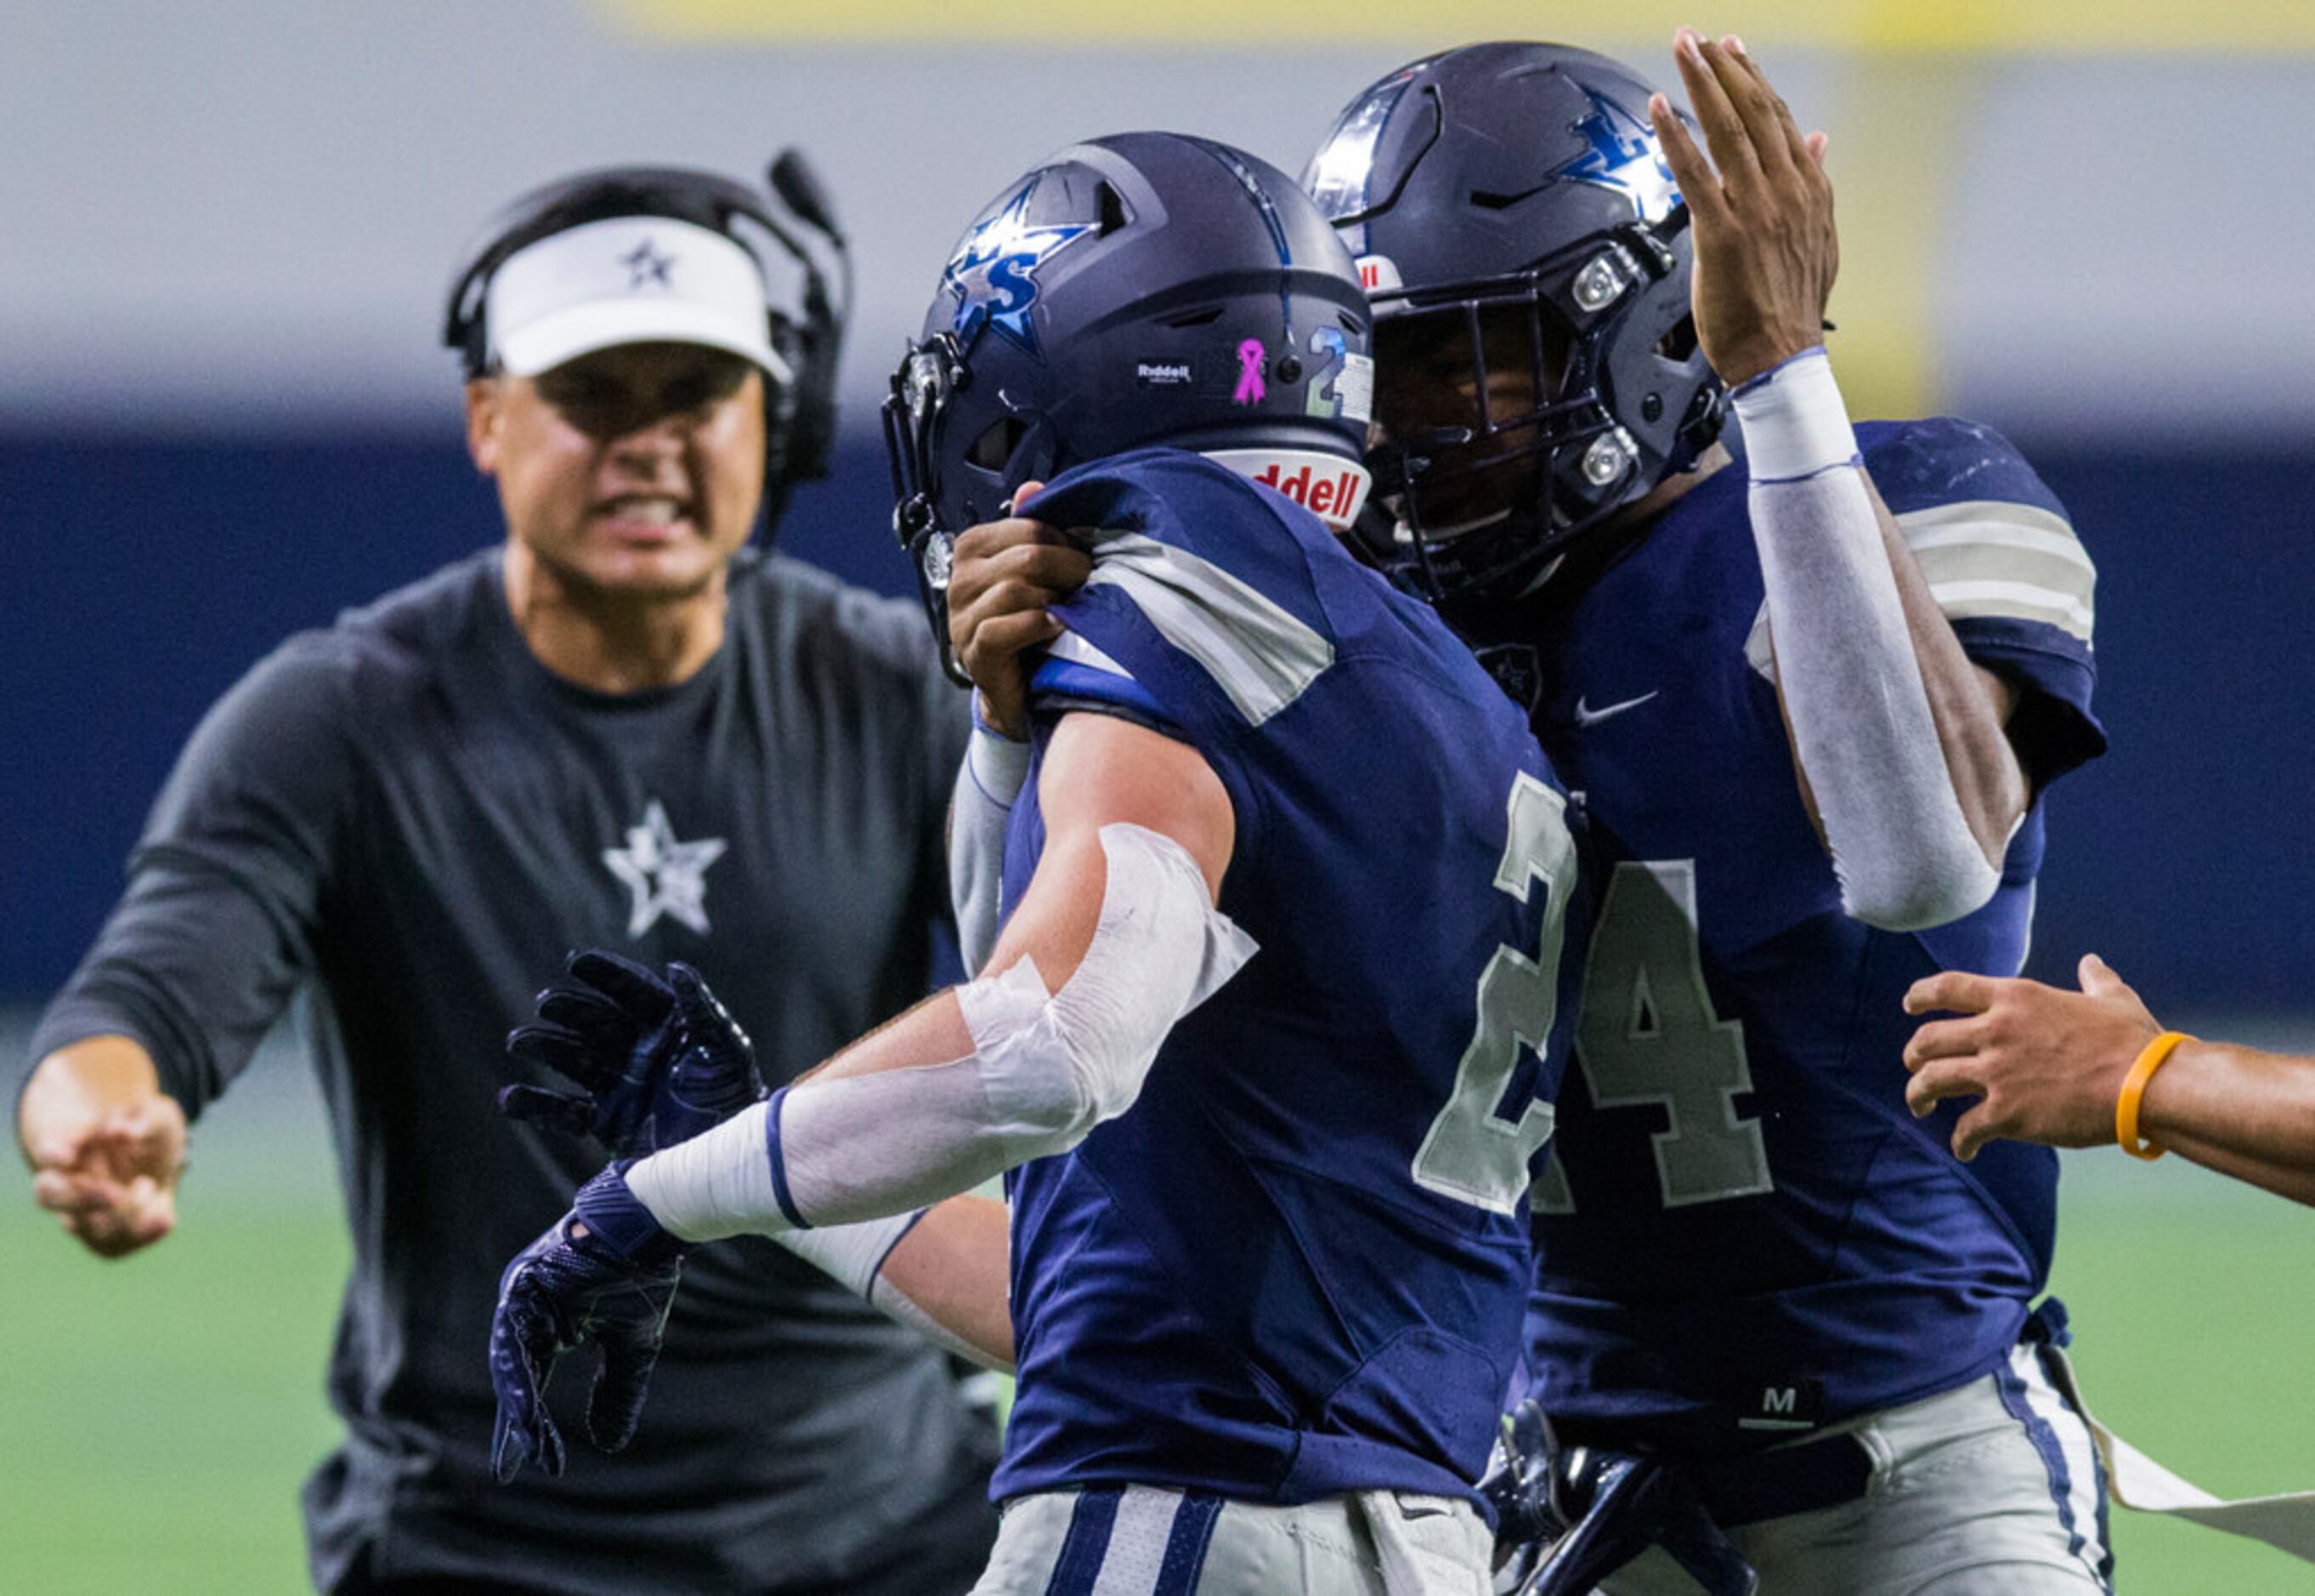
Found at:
<point>2097,1470</point>
<point>2045,1442</point>
<point>1185,1547</point>
<point>1087,1543</point>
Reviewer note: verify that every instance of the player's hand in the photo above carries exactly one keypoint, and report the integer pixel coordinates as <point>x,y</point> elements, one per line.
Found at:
<point>656,1061</point>
<point>2049,1063</point>
<point>110,1173</point>
<point>604,1274</point>
<point>1003,576</point>
<point>1766,248</point>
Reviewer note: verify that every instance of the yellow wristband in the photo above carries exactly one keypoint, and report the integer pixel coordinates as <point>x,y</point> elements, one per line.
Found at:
<point>2133,1087</point>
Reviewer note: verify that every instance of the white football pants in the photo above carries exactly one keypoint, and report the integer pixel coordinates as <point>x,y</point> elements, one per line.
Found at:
<point>1138,1540</point>
<point>1991,1489</point>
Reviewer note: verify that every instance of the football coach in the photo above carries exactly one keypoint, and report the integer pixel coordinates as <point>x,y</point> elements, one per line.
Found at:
<point>624,727</point>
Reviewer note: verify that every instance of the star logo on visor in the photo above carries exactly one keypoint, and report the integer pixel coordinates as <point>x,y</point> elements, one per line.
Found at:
<point>994,271</point>
<point>646,266</point>
<point>666,877</point>
<point>1624,155</point>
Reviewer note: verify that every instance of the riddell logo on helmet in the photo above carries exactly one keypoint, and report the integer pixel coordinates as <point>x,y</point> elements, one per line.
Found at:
<point>1162,374</point>
<point>1329,486</point>
<point>1378,272</point>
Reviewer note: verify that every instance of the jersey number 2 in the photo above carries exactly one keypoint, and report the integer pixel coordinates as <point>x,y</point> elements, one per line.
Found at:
<point>1647,1033</point>
<point>1473,1153</point>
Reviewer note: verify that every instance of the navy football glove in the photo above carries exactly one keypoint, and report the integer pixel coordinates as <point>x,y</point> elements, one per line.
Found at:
<point>657,1060</point>
<point>604,1274</point>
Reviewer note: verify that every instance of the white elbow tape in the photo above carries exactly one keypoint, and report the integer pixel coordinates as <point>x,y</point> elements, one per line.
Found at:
<point>1055,1067</point>
<point>1796,423</point>
<point>1860,718</point>
<point>1046,1067</point>
<point>716,1185</point>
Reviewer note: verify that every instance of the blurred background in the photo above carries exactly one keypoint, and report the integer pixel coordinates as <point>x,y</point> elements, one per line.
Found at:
<point>225,414</point>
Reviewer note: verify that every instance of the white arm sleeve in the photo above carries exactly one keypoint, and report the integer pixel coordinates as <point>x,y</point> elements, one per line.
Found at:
<point>1846,670</point>
<point>987,782</point>
<point>1046,1067</point>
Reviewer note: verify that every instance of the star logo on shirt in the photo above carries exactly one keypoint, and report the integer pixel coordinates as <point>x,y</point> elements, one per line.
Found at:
<point>646,266</point>
<point>666,877</point>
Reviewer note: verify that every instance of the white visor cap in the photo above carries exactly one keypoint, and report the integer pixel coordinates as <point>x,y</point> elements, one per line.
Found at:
<point>628,280</point>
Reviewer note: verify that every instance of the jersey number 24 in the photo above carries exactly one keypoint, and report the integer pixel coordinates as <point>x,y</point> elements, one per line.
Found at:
<point>1647,1033</point>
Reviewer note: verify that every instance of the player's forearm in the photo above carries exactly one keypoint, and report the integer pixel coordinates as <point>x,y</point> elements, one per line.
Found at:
<point>79,1084</point>
<point>945,1272</point>
<point>1860,705</point>
<point>889,1125</point>
<point>992,1074</point>
<point>2243,1112</point>
<point>951,1278</point>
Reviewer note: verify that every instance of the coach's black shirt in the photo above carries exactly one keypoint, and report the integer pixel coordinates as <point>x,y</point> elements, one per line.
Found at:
<point>414,814</point>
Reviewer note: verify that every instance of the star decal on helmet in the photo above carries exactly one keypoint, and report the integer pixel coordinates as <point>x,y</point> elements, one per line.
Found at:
<point>994,271</point>
<point>1625,156</point>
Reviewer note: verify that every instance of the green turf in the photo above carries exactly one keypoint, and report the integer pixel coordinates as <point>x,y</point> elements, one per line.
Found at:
<point>159,1413</point>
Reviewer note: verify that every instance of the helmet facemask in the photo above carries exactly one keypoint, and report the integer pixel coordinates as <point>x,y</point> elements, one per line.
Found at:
<point>1498,443</point>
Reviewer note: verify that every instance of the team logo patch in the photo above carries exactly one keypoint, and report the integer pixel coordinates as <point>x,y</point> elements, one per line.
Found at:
<point>1162,374</point>
<point>1624,156</point>
<point>993,271</point>
<point>666,877</point>
<point>1517,669</point>
<point>647,268</point>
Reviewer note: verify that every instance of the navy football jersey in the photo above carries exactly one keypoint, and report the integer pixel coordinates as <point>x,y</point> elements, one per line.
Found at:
<point>1299,1264</point>
<point>1743,1233</point>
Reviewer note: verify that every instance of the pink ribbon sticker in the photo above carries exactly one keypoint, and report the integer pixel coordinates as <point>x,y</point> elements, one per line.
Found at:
<point>1249,372</point>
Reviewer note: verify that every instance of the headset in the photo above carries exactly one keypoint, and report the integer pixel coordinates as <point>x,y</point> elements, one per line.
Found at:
<point>795,217</point>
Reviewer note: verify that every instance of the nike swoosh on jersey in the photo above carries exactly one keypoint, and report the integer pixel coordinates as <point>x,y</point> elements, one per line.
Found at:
<point>1587,716</point>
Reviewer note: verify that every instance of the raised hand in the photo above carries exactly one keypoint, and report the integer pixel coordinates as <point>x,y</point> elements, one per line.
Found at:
<point>605,1275</point>
<point>656,1061</point>
<point>1760,209</point>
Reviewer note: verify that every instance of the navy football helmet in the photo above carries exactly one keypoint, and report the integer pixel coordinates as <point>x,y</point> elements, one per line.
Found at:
<point>1527,255</point>
<point>1144,288</point>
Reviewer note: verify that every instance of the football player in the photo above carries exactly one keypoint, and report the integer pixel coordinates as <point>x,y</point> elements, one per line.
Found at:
<point>1808,704</point>
<point>1809,701</point>
<point>1264,1321</point>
